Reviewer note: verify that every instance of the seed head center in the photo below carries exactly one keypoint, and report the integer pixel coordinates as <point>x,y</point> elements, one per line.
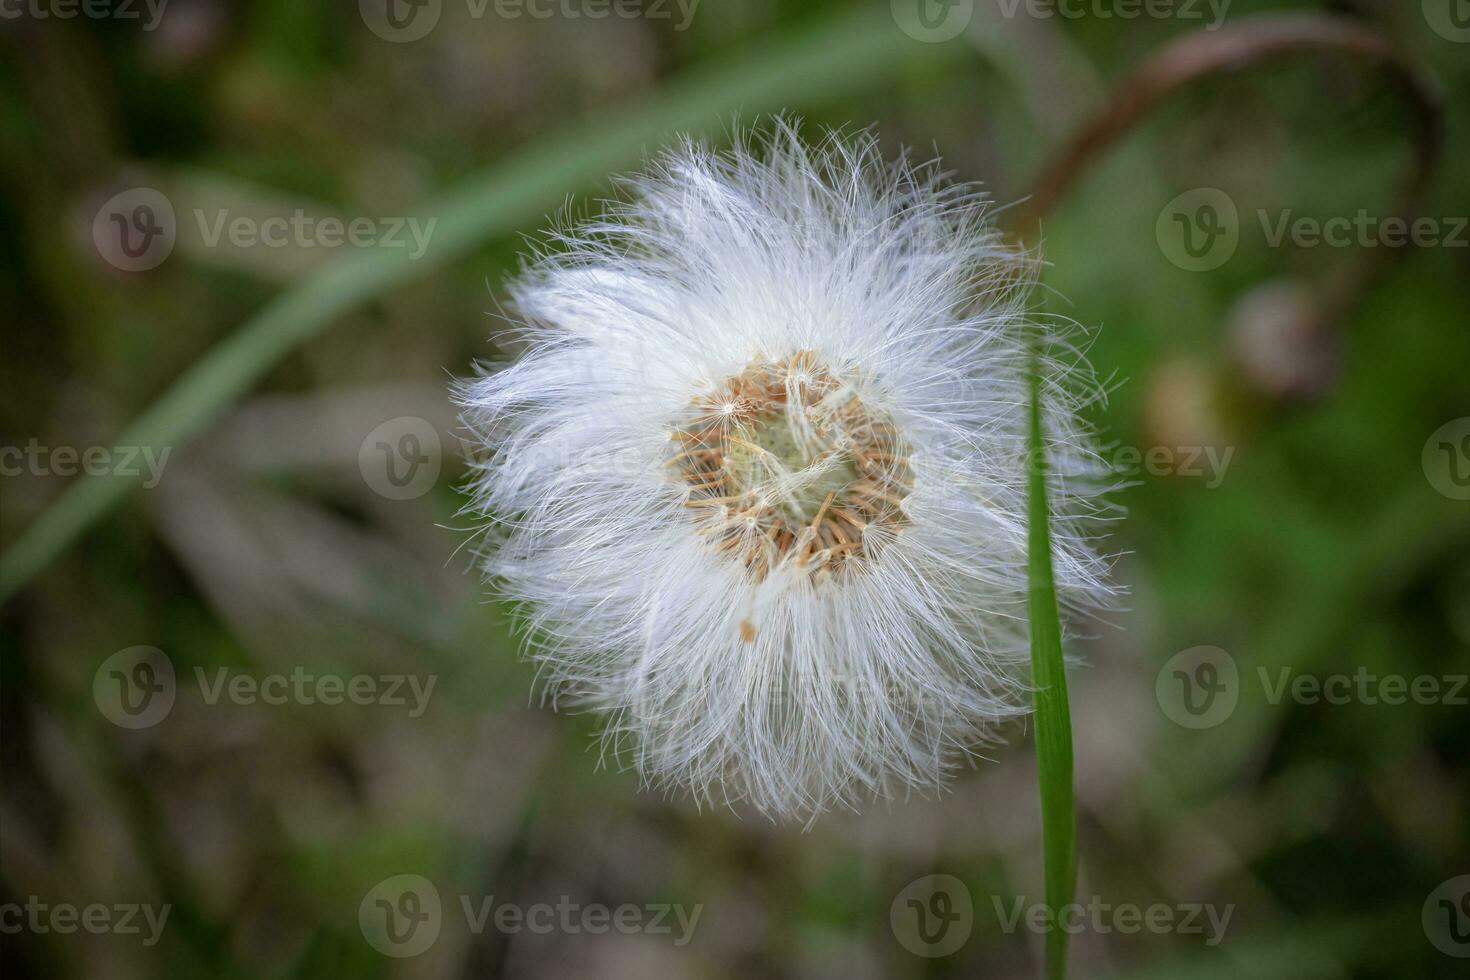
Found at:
<point>785,463</point>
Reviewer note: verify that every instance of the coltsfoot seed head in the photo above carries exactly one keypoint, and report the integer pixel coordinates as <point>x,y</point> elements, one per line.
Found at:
<point>788,468</point>
<point>759,476</point>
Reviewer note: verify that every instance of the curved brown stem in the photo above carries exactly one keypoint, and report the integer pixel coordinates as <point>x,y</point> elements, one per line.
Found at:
<point>1246,43</point>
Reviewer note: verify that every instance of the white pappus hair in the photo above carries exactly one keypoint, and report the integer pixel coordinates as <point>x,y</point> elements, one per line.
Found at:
<point>758,477</point>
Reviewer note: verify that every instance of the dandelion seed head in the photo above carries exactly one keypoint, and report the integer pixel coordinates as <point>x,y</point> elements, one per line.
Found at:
<point>759,477</point>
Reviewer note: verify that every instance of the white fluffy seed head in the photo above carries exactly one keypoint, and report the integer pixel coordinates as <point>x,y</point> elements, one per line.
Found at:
<point>759,476</point>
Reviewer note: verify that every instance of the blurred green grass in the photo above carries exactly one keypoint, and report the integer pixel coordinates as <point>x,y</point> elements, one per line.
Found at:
<point>1323,549</point>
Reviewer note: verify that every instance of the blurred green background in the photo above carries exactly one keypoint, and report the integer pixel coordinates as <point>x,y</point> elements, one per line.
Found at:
<point>1305,512</point>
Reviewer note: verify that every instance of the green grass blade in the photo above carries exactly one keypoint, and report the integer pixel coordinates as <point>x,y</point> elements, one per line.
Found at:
<point>1053,717</point>
<point>834,58</point>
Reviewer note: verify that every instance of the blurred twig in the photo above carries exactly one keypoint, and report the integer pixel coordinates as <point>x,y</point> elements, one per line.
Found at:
<point>1200,54</point>
<point>1249,42</point>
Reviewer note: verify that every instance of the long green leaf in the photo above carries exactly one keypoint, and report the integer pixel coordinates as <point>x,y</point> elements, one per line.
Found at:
<point>1053,717</point>
<point>835,58</point>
